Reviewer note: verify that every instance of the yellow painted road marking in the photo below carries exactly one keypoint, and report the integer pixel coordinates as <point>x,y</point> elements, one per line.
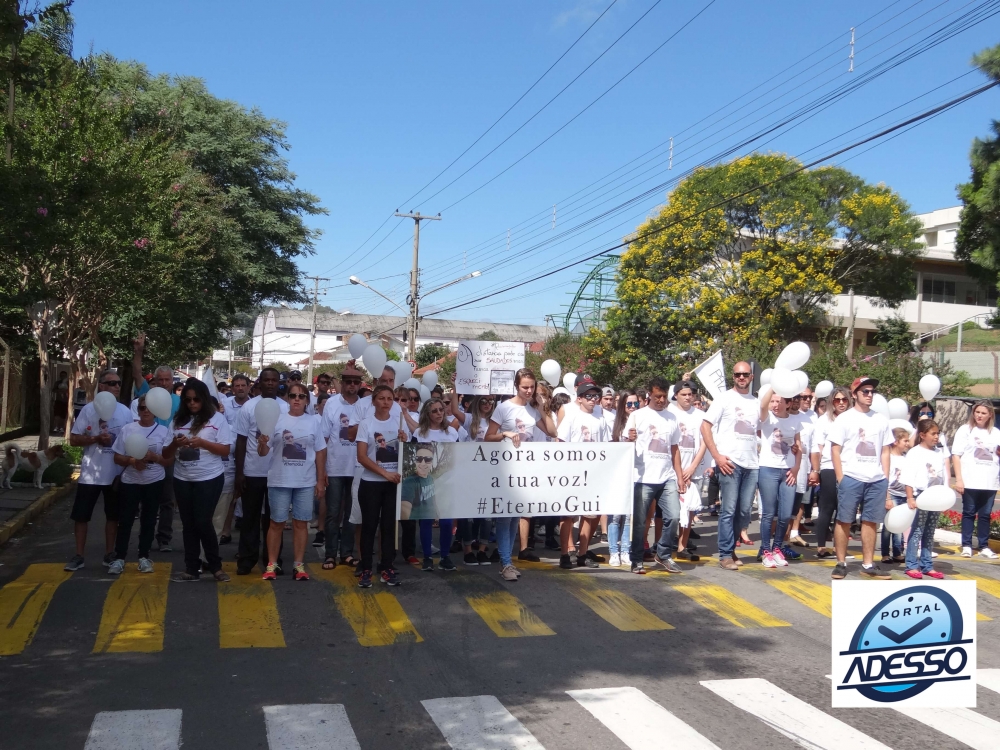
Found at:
<point>134,610</point>
<point>730,607</point>
<point>619,609</point>
<point>23,603</point>
<point>990,585</point>
<point>248,612</point>
<point>982,618</point>
<point>816,596</point>
<point>507,616</point>
<point>377,618</point>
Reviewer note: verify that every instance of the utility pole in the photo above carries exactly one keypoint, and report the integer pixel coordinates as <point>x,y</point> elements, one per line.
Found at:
<point>312,329</point>
<point>229,367</point>
<point>414,298</point>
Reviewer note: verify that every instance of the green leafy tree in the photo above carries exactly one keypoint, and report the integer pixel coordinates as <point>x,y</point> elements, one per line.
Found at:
<point>429,353</point>
<point>894,335</point>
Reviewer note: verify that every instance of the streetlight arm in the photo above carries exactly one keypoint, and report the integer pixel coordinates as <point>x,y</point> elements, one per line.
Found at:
<point>355,280</point>
<point>468,276</point>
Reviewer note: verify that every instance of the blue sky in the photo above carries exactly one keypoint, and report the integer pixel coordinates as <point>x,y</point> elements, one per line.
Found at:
<point>380,97</point>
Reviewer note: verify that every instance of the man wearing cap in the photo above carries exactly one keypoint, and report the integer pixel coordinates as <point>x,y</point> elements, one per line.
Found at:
<point>582,425</point>
<point>692,450</point>
<point>860,443</point>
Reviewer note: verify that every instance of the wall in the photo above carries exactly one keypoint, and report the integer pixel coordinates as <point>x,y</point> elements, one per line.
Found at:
<point>976,364</point>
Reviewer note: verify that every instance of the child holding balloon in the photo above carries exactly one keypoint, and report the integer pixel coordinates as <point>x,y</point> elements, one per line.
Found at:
<point>892,544</point>
<point>926,466</point>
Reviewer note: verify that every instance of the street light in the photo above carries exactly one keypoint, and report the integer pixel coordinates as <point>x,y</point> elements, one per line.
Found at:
<point>358,282</point>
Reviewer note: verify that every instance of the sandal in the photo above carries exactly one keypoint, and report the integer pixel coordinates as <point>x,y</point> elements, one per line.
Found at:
<point>221,576</point>
<point>350,560</point>
<point>329,564</point>
<point>824,552</point>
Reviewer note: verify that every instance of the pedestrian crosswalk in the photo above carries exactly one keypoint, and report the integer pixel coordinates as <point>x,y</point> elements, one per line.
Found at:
<point>628,714</point>
<point>251,612</point>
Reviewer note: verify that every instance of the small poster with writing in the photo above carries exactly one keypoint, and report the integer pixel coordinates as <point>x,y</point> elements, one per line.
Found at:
<point>488,367</point>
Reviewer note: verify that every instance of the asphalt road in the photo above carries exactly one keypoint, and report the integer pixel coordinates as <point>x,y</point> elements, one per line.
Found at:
<point>457,659</point>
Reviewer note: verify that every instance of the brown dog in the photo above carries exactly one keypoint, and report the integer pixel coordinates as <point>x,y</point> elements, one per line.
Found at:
<point>14,458</point>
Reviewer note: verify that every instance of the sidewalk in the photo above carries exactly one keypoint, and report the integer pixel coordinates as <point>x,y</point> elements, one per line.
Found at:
<point>21,504</point>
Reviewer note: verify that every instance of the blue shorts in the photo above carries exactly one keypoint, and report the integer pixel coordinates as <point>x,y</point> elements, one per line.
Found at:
<point>869,495</point>
<point>299,499</point>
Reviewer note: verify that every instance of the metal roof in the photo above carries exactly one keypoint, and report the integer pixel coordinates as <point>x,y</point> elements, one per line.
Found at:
<point>395,325</point>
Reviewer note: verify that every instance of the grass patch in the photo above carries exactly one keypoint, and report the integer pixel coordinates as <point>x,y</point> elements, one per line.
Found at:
<point>973,338</point>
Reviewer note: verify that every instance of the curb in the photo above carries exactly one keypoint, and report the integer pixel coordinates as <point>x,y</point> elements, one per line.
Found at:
<point>42,504</point>
<point>944,536</point>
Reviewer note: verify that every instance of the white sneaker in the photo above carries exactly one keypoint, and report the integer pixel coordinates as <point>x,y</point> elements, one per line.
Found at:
<point>988,553</point>
<point>116,568</point>
<point>615,561</point>
<point>934,554</point>
<point>966,551</point>
<point>626,559</point>
<point>145,565</point>
<point>768,560</point>
<point>508,573</point>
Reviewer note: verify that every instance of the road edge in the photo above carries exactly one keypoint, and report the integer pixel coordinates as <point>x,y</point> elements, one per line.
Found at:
<point>42,504</point>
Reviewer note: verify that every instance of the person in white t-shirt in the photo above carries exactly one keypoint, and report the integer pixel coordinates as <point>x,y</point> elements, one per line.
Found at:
<point>803,489</point>
<point>733,446</point>
<point>240,396</point>
<point>861,441</point>
<point>297,474</point>
<point>474,531</point>
<point>976,457</point>
<point>780,454</point>
<point>515,420</point>
<point>201,439</point>
<point>822,471</point>
<point>661,478</point>
<point>692,449</point>
<point>926,465</point>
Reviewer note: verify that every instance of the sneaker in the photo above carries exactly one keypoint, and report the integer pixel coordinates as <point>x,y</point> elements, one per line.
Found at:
<point>935,574</point>
<point>966,551</point>
<point>875,572</point>
<point>988,553</point>
<point>108,559</point>
<point>565,563</point>
<point>428,565</point>
<point>934,554</point>
<point>116,568</point>
<point>667,564</point>
<point>509,574</point>
<point>446,563</point>
<point>482,558</point>
<point>728,563</point>
<point>164,547</point>
<point>470,559</point>
<point>694,534</point>
<point>615,561</point>
<point>626,559</point>
<point>75,563</point>
<point>319,540</point>
<point>527,554</point>
<point>839,571</point>
<point>278,569</point>
<point>145,565</point>
<point>270,572</point>
<point>412,560</point>
<point>779,558</point>
<point>596,558</point>
<point>221,576</point>
<point>586,562</point>
<point>915,574</point>
<point>365,581</point>
<point>683,554</point>
<point>389,577</point>
<point>767,559</point>
<point>516,571</point>
<point>789,554</point>
<point>495,557</point>
<point>299,573</point>
<point>186,577</point>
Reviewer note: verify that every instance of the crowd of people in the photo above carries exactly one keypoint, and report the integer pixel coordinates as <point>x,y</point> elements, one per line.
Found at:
<point>333,459</point>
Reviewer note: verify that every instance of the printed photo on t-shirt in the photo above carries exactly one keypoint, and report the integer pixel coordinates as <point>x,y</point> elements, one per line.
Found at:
<point>865,447</point>
<point>778,445</point>
<point>932,476</point>
<point>982,453</point>
<point>386,451</point>
<point>585,436</point>
<point>345,425</point>
<point>687,439</point>
<point>524,430</point>
<point>656,443</point>
<point>291,450</point>
<point>742,425</point>
<point>897,487</point>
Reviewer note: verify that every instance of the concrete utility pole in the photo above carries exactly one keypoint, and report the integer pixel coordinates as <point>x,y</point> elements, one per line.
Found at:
<point>312,329</point>
<point>414,298</point>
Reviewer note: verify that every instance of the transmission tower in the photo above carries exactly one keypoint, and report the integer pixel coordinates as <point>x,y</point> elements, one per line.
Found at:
<point>592,298</point>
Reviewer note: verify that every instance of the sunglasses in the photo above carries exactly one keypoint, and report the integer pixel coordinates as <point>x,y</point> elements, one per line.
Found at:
<point>592,396</point>
<point>866,391</point>
<point>841,400</point>
<point>413,398</point>
<point>926,414</point>
<point>351,381</point>
<point>631,404</point>
<point>112,383</point>
<point>192,400</point>
<point>297,396</point>
<point>423,460</point>
<point>742,374</point>
<point>488,401</point>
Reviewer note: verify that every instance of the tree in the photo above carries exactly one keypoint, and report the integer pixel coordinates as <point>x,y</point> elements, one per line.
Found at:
<point>429,353</point>
<point>749,251</point>
<point>894,335</point>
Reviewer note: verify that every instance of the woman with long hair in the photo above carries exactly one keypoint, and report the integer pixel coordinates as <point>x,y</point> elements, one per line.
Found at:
<point>474,533</point>
<point>977,474</point>
<point>296,475</point>
<point>201,439</point>
<point>619,531</point>
<point>838,402</point>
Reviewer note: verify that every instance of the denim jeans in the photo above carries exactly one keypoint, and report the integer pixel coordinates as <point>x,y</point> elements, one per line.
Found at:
<point>977,504</point>
<point>445,526</point>
<point>737,492</point>
<point>667,499</point>
<point>922,536</point>
<point>892,544</point>
<point>337,528</point>
<point>777,498</point>
<point>618,532</point>
<point>506,536</point>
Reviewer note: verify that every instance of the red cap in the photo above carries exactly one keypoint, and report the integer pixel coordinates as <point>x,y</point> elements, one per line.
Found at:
<point>858,382</point>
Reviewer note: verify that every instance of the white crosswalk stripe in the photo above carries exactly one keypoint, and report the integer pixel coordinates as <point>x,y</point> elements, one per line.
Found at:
<point>309,726</point>
<point>479,723</point>
<point>989,679</point>
<point>963,724</point>
<point>637,720</point>
<point>797,720</point>
<point>135,730</point>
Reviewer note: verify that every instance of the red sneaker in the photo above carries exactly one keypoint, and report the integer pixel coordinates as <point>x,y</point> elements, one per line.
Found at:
<point>299,573</point>
<point>269,572</point>
<point>934,574</point>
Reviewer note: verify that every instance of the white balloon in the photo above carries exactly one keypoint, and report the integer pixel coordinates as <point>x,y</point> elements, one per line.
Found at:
<point>880,405</point>
<point>374,359</point>
<point>551,371</point>
<point>357,344</point>
<point>785,382</point>
<point>404,371</point>
<point>104,405</point>
<point>136,445</point>
<point>898,409</point>
<point>569,380</point>
<point>936,498</point>
<point>430,379</point>
<point>765,377</point>
<point>412,383</point>
<point>425,393</point>
<point>556,391</point>
<point>899,519</point>
<point>823,389</point>
<point>793,356</point>
<point>930,386</point>
<point>803,379</point>
<point>159,402</point>
<point>266,413</point>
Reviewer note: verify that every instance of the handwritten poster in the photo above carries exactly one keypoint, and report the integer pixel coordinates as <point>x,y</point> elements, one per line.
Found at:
<point>485,367</point>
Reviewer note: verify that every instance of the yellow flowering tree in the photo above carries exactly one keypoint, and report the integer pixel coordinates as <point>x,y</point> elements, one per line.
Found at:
<point>727,261</point>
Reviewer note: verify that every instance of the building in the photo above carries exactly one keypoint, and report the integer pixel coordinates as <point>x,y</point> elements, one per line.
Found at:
<point>944,292</point>
<point>282,335</point>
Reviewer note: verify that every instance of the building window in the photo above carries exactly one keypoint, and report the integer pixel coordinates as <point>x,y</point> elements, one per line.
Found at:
<point>938,290</point>
<point>931,238</point>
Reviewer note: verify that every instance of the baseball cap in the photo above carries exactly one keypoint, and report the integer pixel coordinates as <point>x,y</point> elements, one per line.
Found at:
<point>607,391</point>
<point>295,374</point>
<point>585,384</point>
<point>858,382</point>
<point>681,385</point>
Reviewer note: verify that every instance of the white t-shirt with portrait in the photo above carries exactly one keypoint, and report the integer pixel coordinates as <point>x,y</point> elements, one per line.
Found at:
<point>656,434</point>
<point>736,417</point>
<point>897,468</point>
<point>294,443</point>
<point>246,426</point>
<point>821,443</point>
<point>977,451</point>
<point>199,464</point>
<point>98,463</point>
<point>511,417</point>
<point>690,440</point>
<point>341,451</point>
<point>776,441</point>
<point>578,426</point>
<point>447,435</point>
<point>482,427</point>
<point>925,468</point>
<point>363,409</point>
<point>382,441</point>
<point>156,437</point>
<point>861,437</point>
